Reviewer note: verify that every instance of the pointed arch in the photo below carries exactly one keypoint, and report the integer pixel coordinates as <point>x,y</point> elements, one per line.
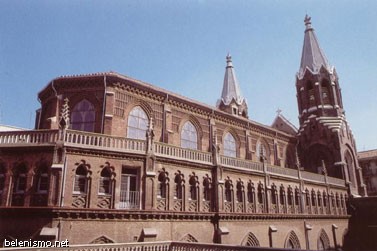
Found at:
<point>40,185</point>
<point>102,240</point>
<point>137,123</point>
<point>325,92</point>
<point>188,238</point>
<point>83,116</point>
<point>20,176</point>
<point>230,144</point>
<point>323,242</point>
<point>310,93</point>
<point>250,240</point>
<point>189,136</point>
<point>350,165</point>
<point>163,190</point>
<point>82,176</point>
<point>292,241</point>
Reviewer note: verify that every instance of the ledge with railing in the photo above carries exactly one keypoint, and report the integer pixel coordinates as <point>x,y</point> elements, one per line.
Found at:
<point>97,141</point>
<point>29,138</point>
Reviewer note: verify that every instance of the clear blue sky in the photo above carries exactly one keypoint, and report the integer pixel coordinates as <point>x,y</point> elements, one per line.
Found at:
<point>181,46</point>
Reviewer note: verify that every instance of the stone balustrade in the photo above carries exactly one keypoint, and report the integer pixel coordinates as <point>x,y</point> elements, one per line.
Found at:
<point>282,171</point>
<point>240,163</point>
<point>29,138</point>
<point>102,141</point>
<point>166,150</point>
<point>106,142</point>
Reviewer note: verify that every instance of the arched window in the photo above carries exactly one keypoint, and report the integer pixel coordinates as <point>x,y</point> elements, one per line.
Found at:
<point>137,123</point>
<point>20,175</point>
<point>314,198</point>
<point>105,182</point>
<point>19,184</point>
<point>162,190</point>
<point>319,199</point>
<point>228,191</point>
<point>325,92</point>
<point>274,195</point>
<point>189,136</point>
<point>83,116</point>
<point>230,148</point>
<point>298,199</point>
<point>179,186</point>
<point>207,188</point>
<point>350,168</point>
<point>282,195</point>
<point>179,195</point>
<point>290,196</point>
<point>250,240</point>
<point>325,200</point>
<point>260,194</point>
<point>311,95</point>
<point>323,242</point>
<point>307,197</point>
<point>42,179</point>
<point>240,190</point>
<point>292,241</point>
<point>81,180</point>
<point>250,193</point>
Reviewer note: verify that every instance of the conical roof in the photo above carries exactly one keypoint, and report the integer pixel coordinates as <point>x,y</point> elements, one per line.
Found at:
<point>231,88</point>
<point>313,57</point>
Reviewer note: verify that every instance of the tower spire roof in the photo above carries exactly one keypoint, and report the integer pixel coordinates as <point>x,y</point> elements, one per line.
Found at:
<point>231,88</point>
<point>313,57</point>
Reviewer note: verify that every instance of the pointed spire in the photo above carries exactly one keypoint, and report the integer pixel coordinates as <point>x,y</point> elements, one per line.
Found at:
<point>231,88</point>
<point>312,57</point>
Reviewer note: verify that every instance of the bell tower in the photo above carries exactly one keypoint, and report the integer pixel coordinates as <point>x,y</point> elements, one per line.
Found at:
<point>326,143</point>
<point>232,100</point>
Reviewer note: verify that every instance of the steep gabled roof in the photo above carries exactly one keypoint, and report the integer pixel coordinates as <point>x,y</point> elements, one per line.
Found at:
<point>282,124</point>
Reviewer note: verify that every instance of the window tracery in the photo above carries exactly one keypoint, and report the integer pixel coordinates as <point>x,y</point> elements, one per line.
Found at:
<point>230,147</point>
<point>83,116</point>
<point>189,136</point>
<point>138,122</point>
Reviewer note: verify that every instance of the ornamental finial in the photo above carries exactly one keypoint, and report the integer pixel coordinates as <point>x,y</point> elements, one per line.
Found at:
<point>229,60</point>
<point>308,22</point>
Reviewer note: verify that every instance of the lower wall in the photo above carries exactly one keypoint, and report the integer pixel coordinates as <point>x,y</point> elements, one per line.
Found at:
<point>89,226</point>
<point>239,231</point>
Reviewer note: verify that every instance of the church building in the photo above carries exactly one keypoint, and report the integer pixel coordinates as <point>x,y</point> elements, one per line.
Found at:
<point>113,160</point>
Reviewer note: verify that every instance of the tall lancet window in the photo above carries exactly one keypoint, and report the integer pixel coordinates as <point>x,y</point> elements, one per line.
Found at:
<point>83,116</point>
<point>137,123</point>
<point>230,148</point>
<point>189,136</point>
<point>325,92</point>
<point>311,95</point>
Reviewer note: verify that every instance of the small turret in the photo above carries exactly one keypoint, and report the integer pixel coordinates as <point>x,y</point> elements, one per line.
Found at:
<point>232,100</point>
